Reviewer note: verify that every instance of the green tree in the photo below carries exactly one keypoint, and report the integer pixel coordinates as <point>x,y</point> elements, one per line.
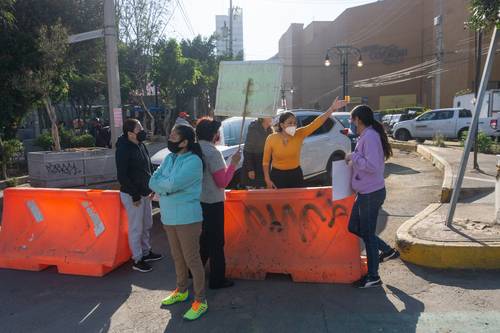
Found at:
<point>6,15</point>
<point>174,73</point>
<point>49,80</point>
<point>484,14</point>
<point>141,24</point>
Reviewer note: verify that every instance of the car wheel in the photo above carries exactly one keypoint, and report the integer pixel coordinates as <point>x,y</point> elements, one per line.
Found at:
<point>403,135</point>
<point>336,156</point>
<point>461,133</point>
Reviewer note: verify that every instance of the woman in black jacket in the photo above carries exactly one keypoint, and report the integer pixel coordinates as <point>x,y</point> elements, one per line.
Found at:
<point>252,175</point>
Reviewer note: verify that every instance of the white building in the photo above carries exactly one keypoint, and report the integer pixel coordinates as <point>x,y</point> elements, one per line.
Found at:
<point>222,31</point>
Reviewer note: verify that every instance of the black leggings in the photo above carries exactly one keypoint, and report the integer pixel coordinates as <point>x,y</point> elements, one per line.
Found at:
<point>293,178</point>
<point>212,242</point>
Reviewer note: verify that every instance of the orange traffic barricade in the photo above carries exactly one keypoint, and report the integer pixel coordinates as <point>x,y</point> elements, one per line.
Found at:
<point>82,232</point>
<point>300,232</point>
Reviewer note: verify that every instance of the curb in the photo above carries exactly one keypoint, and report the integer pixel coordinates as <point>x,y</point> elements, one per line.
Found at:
<point>459,255</point>
<point>403,146</point>
<point>440,163</point>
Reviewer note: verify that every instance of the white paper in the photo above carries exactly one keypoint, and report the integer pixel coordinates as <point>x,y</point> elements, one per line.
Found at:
<point>341,180</point>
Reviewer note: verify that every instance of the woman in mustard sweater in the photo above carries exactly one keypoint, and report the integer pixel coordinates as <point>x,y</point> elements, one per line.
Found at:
<point>283,149</point>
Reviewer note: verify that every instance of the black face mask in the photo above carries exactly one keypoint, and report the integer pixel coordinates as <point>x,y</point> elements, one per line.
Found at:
<point>141,136</point>
<point>174,146</point>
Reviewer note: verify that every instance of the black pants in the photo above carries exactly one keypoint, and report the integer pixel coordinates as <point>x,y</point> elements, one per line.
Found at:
<point>212,242</point>
<point>287,178</point>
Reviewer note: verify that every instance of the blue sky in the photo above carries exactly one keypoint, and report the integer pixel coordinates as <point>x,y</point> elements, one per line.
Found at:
<point>264,21</point>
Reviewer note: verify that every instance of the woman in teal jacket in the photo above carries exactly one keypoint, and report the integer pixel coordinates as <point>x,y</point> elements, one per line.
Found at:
<point>178,182</point>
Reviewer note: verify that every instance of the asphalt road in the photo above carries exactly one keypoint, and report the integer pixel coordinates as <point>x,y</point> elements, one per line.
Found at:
<point>413,299</point>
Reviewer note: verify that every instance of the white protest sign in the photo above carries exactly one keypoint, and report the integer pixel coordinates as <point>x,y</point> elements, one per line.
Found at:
<point>262,99</point>
<point>341,180</point>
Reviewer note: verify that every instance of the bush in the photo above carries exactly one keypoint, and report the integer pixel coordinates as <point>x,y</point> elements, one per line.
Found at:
<point>44,141</point>
<point>82,141</point>
<point>68,140</point>
<point>438,140</point>
<point>9,150</point>
<point>484,142</point>
<point>13,182</point>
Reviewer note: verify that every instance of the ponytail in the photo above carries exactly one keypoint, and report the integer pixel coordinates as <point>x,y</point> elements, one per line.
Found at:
<point>188,133</point>
<point>365,114</point>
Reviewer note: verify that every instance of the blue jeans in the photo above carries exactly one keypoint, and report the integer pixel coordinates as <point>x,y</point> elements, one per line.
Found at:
<point>363,223</point>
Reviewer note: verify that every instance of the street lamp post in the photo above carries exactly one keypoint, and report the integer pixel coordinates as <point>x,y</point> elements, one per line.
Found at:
<point>343,51</point>
<point>283,96</point>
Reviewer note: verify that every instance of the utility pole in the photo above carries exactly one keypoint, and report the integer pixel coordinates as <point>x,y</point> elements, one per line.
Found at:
<point>231,28</point>
<point>475,120</point>
<point>113,75</point>
<point>479,54</point>
<point>438,24</point>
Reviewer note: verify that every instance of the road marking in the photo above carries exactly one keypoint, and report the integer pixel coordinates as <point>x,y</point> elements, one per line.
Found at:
<point>90,313</point>
<point>481,179</point>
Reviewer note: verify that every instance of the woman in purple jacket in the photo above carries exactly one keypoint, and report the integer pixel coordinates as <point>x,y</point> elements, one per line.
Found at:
<point>368,162</point>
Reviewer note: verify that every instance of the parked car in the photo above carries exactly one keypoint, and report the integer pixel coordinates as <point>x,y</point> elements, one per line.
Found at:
<point>325,145</point>
<point>390,120</point>
<point>451,123</point>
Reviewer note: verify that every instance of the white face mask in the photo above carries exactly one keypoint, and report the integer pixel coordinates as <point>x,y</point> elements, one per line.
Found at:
<point>290,130</point>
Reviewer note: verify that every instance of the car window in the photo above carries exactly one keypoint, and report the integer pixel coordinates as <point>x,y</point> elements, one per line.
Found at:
<point>325,128</point>
<point>344,120</point>
<point>231,131</point>
<point>428,116</point>
<point>465,113</point>
<point>443,115</point>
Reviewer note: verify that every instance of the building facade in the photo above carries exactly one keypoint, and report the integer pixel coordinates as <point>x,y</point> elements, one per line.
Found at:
<point>223,35</point>
<point>399,42</point>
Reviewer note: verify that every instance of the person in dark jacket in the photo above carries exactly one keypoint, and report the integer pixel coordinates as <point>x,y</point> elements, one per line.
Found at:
<point>252,174</point>
<point>134,170</point>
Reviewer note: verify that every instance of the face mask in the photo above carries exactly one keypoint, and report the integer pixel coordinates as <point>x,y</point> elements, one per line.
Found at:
<point>174,146</point>
<point>141,136</point>
<point>290,130</point>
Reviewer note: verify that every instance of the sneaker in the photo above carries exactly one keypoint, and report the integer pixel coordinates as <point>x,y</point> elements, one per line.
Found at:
<point>197,310</point>
<point>361,281</point>
<point>226,284</point>
<point>175,297</point>
<point>392,254</point>
<point>152,257</point>
<point>142,266</point>
<point>370,282</point>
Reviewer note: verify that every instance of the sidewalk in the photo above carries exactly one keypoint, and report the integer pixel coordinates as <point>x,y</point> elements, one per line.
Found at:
<point>473,241</point>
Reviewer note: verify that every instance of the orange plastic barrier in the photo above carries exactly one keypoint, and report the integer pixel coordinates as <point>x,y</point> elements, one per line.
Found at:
<point>300,232</point>
<point>82,232</point>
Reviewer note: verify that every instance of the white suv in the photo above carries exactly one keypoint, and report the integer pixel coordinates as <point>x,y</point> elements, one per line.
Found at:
<point>325,145</point>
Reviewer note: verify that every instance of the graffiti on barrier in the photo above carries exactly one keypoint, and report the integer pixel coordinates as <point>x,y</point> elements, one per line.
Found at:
<point>267,217</point>
<point>63,168</point>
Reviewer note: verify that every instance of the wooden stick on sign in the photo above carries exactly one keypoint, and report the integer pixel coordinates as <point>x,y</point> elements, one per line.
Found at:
<point>247,93</point>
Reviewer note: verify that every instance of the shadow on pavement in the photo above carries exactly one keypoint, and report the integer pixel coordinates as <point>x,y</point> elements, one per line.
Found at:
<point>465,279</point>
<point>396,169</point>
<point>50,302</point>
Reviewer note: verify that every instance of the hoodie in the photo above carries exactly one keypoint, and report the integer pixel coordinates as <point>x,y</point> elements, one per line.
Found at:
<point>133,167</point>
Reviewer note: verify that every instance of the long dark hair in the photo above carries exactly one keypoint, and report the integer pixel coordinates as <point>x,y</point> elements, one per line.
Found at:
<point>187,133</point>
<point>365,114</point>
<point>284,117</point>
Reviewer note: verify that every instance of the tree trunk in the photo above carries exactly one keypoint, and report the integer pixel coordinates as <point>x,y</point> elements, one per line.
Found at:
<point>53,119</point>
<point>152,119</point>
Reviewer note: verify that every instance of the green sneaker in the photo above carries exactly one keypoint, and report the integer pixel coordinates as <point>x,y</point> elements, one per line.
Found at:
<point>197,310</point>
<point>175,297</point>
